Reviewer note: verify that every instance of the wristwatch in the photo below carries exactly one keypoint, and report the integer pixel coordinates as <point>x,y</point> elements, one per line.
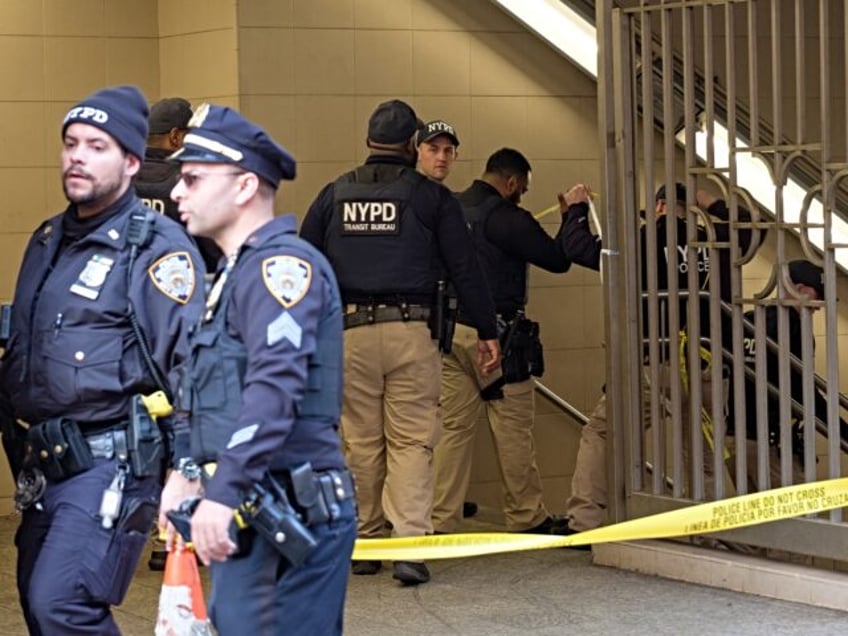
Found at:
<point>189,469</point>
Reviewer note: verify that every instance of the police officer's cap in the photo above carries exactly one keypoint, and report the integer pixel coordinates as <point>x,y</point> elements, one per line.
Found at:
<point>392,122</point>
<point>805,273</point>
<point>218,134</point>
<point>433,129</point>
<point>679,190</point>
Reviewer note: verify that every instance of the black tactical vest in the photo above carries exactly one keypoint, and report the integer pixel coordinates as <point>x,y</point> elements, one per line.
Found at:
<point>213,378</point>
<point>507,276</point>
<point>377,243</point>
<point>153,185</point>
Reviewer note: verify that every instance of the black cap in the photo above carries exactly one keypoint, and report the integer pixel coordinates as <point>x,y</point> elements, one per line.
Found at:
<point>120,111</point>
<point>805,273</point>
<point>219,134</point>
<point>680,191</point>
<point>169,113</point>
<point>392,122</point>
<point>433,129</point>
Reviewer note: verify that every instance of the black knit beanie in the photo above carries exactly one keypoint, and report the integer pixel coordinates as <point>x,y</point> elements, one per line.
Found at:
<point>120,111</point>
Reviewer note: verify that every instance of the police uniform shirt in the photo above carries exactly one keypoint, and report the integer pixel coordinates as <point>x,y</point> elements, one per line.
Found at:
<point>439,211</point>
<point>582,247</point>
<point>278,298</point>
<point>515,232</point>
<point>72,351</point>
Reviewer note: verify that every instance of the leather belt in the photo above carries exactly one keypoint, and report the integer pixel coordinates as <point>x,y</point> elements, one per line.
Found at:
<point>357,315</point>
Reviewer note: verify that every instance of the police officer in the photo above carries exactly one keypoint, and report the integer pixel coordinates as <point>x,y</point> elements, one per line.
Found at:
<point>586,507</point>
<point>263,388</point>
<point>807,282</point>
<point>104,296</point>
<point>438,148</point>
<point>507,239</point>
<point>168,123</point>
<point>391,235</point>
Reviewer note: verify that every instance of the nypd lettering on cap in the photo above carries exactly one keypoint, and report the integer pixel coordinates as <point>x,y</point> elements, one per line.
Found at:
<point>173,275</point>
<point>87,113</point>
<point>287,278</point>
<point>439,127</point>
<point>370,217</point>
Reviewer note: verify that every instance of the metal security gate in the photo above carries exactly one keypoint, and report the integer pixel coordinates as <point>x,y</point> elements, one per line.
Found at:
<point>748,97</point>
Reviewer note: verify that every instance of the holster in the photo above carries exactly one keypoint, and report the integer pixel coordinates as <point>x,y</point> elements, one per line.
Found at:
<point>59,448</point>
<point>269,513</point>
<point>145,442</point>
<point>442,321</point>
<point>523,355</point>
<point>14,442</point>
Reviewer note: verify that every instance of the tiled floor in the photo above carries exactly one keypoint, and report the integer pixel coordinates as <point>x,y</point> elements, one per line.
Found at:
<point>544,593</point>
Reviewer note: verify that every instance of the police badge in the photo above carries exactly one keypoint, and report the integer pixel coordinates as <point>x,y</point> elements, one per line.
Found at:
<point>287,278</point>
<point>93,276</point>
<point>173,275</point>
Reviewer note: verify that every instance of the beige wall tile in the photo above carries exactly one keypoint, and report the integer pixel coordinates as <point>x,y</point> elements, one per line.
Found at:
<point>24,198</point>
<point>265,13</point>
<point>441,62</point>
<point>325,128</point>
<point>73,67</point>
<point>497,122</point>
<point>391,52</point>
<point>194,16</point>
<point>323,14</point>
<point>557,438</point>
<point>23,134</point>
<point>199,64</point>
<point>448,15</point>
<point>276,114</point>
<point>259,48</point>
<point>132,18</point>
<point>21,17</point>
<point>134,61</point>
<point>565,127</point>
<point>324,62</point>
<point>379,14</point>
<point>21,69</point>
<point>12,247</point>
<point>493,71</point>
<point>80,17</point>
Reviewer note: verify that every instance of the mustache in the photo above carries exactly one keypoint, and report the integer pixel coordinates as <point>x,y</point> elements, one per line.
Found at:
<point>76,172</point>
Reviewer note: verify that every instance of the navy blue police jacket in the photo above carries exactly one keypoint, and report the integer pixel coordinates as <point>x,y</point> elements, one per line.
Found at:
<point>264,383</point>
<point>72,351</point>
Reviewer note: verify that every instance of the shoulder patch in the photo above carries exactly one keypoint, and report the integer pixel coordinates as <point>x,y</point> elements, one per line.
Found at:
<point>173,275</point>
<point>287,278</point>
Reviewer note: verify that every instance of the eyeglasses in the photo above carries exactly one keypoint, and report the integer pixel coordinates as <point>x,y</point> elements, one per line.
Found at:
<point>191,178</point>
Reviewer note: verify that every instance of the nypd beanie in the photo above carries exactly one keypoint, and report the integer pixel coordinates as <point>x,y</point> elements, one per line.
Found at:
<point>120,111</point>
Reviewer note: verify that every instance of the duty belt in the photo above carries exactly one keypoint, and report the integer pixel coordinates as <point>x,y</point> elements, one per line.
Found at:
<point>357,315</point>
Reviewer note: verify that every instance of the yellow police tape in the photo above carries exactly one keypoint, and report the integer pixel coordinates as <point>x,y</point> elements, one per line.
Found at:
<point>736,512</point>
